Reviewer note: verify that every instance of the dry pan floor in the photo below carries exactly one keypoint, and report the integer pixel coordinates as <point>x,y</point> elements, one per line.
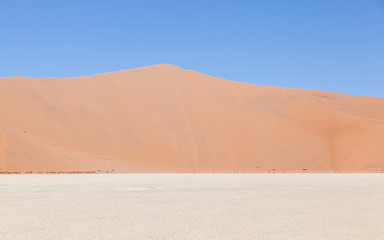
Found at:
<point>192,206</point>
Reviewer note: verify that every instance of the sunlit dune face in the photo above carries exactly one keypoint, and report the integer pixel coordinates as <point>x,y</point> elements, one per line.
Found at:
<point>166,119</point>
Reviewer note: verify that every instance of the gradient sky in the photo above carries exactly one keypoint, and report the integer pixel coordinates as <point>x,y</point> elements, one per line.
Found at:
<point>334,45</point>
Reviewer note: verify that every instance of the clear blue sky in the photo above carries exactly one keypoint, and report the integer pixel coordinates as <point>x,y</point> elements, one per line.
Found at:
<point>335,45</point>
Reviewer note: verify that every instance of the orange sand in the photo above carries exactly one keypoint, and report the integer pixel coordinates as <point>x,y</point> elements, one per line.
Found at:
<point>164,118</point>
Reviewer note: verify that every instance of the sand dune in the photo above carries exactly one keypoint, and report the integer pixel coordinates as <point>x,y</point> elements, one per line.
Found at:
<point>164,118</point>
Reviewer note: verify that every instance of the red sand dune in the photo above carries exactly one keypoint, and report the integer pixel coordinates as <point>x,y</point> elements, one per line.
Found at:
<point>164,118</point>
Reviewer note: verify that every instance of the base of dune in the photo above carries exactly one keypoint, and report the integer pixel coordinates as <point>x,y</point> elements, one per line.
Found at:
<point>192,206</point>
<point>108,171</point>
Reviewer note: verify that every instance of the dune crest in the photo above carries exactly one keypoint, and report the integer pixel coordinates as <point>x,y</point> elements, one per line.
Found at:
<point>165,118</point>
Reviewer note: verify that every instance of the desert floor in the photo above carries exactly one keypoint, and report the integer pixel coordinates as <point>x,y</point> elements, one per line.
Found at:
<point>192,206</point>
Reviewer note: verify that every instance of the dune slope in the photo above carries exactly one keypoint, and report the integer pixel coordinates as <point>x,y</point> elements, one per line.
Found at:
<point>164,118</point>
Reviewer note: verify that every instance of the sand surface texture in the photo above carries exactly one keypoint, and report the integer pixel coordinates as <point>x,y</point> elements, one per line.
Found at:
<point>165,118</point>
<point>192,206</point>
